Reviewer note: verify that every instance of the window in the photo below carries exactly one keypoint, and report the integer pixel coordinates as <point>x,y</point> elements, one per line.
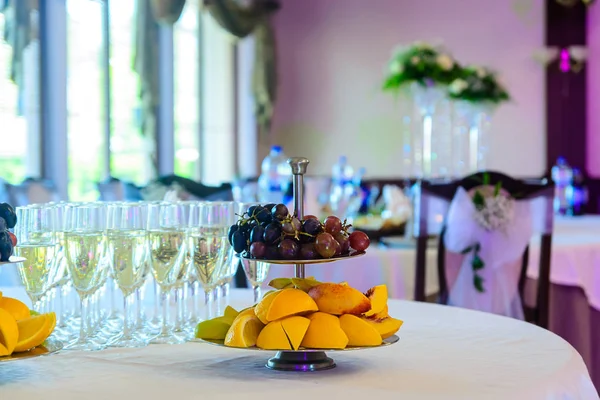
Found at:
<point>86,126</point>
<point>19,113</point>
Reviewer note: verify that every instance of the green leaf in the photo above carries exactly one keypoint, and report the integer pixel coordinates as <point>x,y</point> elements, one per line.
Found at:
<point>497,188</point>
<point>478,200</point>
<point>486,179</point>
<point>477,263</point>
<point>478,283</point>
<point>467,250</point>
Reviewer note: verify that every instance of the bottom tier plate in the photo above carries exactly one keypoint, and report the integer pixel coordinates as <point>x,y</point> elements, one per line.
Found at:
<point>50,346</point>
<point>302,359</point>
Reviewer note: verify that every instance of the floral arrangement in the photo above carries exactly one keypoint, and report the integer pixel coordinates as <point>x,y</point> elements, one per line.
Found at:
<point>477,85</point>
<point>494,210</point>
<point>422,63</point>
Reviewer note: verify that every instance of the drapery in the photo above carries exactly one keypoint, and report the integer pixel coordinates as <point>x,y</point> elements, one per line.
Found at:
<point>17,33</point>
<point>242,21</point>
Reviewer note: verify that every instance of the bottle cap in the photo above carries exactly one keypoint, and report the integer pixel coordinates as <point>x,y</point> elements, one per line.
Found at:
<point>276,149</point>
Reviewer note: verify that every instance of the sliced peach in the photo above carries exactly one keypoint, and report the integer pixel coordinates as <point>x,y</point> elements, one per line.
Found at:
<point>290,302</point>
<point>295,328</point>
<point>338,299</point>
<point>324,332</point>
<point>359,332</point>
<point>385,326</point>
<point>273,337</point>
<point>378,297</point>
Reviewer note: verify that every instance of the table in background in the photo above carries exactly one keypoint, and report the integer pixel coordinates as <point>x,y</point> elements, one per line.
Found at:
<point>443,353</point>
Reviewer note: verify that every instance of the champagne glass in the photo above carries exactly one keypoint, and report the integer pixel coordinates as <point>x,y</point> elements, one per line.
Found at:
<point>209,245</point>
<point>256,273</point>
<point>167,240</point>
<point>127,251</point>
<point>37,244</point>
<point>85,247</point>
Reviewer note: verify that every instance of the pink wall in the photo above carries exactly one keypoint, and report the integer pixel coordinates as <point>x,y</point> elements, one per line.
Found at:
<point>333,54</point>
<point>593,91</point>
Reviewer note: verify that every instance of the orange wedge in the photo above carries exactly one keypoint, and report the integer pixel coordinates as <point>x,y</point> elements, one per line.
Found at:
<point>17,308</point>
<point>9,333</point>
<point>244,331</point>
<point>33,331</point>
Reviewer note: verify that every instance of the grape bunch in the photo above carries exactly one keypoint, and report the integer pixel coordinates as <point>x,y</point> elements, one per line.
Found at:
<point>8,220</point>
<point>270,232</point>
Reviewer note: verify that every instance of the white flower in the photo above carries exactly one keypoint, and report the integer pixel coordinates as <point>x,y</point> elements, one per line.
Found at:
<point>480,72</point>
<point>497,212</point>
<point>422,45</point>
<point>415,60</point>
<point>396,67</point>
<point>458,86</point>
<point>445,62</point>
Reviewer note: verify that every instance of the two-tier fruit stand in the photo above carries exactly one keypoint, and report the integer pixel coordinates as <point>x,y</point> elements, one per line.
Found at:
<point>305,359</point>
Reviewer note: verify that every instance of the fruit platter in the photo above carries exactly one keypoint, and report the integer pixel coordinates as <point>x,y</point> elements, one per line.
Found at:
<point>301,317</point>
<point>23,332</point>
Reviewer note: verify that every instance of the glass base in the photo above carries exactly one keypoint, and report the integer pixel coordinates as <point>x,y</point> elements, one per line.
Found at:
<point>129,342</point>
<point>84,345</point>
<point>167,339</point>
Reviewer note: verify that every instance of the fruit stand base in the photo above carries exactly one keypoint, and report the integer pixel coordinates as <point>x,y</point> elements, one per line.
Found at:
<point>300,361</point>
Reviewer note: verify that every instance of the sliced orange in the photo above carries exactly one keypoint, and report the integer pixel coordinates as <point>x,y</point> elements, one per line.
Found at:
<point>244,331</point>
<point>17,308</point>
<point>33,331</point>
<point>9,333</point>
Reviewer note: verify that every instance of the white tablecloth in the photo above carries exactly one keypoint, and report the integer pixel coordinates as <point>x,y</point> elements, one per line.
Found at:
<point>443,353</point>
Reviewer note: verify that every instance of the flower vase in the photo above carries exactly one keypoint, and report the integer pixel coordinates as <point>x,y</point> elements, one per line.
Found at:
<point>471,138</point>
<point>432,138</point>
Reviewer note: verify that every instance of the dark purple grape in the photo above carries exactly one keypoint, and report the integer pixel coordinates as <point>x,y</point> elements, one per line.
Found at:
<point>271,253</point>
<point>279,212</point>
<point>239,242</point>
<point>232,230</point>
<point>251,210</point>
<point>6,246</point>
<point>312,226</point>
<point>310,216</point>
<point>288,249</point>
<point>262,215</point>
<point>8,213</point>
<point>269,206</point>
<point>256,234</point>
<point>257,249</point>
<point>264,224</point>
<point>272,233</point>
<point>325,245</point>
<point>332,225</point>
<point>308,252</point>
<point>344,242</point>
<point>2,224</point>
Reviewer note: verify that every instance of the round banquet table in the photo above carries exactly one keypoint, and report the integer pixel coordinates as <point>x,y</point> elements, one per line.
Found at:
<point>443,353</point>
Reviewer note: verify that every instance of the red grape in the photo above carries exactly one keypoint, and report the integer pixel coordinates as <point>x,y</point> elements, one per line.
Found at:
<point>338,248</point>
<point>344,242</point>
<point>325,245</point>
<point>308,251</point>
<point>288,249</point>
<point>257,249</point>
<point>309,216</point>
<point>296,224</point>
<point>279,212</point>
<point>359,241</point>
<point>333,225</point>
<point>312,226</point>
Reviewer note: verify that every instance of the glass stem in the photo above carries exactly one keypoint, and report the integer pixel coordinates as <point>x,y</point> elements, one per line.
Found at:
<point>208,303</point>
<point>126,310</point>
<point>139,318</point>
<point>84,318</point>
<point>193,310</point>
<point>257,293</point>
<point>165,295</point>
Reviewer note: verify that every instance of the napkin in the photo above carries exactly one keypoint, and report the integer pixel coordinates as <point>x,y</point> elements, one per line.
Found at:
<point>397,205</point>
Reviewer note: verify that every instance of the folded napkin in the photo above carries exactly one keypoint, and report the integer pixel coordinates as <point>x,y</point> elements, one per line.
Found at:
<point>397,205</point>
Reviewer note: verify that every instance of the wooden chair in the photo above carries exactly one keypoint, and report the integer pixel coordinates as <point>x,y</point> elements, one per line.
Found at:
<point>443,193</point>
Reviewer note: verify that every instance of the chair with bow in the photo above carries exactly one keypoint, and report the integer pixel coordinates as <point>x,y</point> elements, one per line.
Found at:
<point>480,266</point>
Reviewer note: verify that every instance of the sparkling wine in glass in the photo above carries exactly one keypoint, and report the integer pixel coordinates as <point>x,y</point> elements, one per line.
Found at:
<point>168,249</point>
<point>127,255</point>
<point>85,251</point>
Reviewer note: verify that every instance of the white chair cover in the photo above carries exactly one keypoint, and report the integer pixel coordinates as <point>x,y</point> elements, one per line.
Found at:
<point>501,251</point>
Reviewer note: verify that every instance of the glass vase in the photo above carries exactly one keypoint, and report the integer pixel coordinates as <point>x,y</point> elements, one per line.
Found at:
<point>471,141</point>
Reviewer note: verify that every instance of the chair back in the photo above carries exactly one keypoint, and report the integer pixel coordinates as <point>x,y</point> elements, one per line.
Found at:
<point>432,201</point>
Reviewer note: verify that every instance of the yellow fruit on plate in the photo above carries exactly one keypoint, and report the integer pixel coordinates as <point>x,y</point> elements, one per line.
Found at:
<point>338,299</point>
<point>290,302</point>
<point>9,333</point>
<point>214,329</point>
<point>359,332</point>
<point>244,331</point>
<point>386,326</point>
<point>273,337</point>
<point>231,312</point>
<point>295,328</point>
<point>17,308</point>
<point>324,332</point>
<point>262,308</point>
<point>378,297</point>
<point>305,284</point>
<point>33,331</point>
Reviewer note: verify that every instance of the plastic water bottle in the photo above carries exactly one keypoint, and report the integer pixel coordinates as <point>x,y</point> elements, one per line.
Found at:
<point>562,175</point>
<point>577,194</point>
<point>275,176</point>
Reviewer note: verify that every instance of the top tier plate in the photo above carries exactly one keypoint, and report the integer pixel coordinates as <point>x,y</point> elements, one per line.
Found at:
<point>316,261</point>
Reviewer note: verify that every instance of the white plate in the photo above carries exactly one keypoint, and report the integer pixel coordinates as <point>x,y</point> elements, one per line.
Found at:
<point>13,260</point>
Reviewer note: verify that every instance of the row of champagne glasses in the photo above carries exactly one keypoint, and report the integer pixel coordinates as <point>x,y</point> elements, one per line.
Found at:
<point>183,246</point>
